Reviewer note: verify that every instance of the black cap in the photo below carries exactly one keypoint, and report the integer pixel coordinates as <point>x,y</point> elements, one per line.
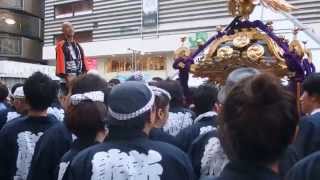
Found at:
<point>129,100</point>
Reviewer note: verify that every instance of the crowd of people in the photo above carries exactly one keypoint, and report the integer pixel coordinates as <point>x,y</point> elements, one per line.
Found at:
<point>92,129</point>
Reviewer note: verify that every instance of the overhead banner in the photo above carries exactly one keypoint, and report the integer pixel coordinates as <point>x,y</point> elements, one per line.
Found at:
<point>150,9</point>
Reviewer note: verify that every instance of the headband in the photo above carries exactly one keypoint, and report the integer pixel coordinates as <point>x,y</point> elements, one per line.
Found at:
<point>95,96</point>
<point>159,91</point>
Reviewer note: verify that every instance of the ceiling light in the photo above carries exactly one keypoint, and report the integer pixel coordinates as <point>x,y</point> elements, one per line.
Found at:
<point>9,21</point>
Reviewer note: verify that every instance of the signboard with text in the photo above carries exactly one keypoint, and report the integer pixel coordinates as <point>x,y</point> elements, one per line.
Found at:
<point>150,10</point>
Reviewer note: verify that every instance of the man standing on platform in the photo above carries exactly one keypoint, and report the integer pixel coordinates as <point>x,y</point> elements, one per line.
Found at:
<point>70,55</point>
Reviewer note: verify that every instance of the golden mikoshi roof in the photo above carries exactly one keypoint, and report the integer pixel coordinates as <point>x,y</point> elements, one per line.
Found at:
<point>246,47</point>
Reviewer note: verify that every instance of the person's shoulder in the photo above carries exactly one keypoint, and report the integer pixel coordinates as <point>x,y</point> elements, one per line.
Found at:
<point>191,131</point>
<point>204,125</point>
<point>186,110</point>
<point>57,129</point>
<point>210,178</point>
<point>5,108</point>
<point>57,132</point>
<point>3,117</point>
<point>306,169</point>
<point>68,156</point>
<point>61,43</point>
<point>311,159</point>
<point>159,135</point>
<point>52,119</point>
<point>307,121</point>
<point>207,136</point>
<point>167,150</point>
<point>88,153</point>
<point>201,141</point>
<point>187,130</point>
<point>309,124</point>
<point>12,127</point>
<point>96,148</point>
<point>15,122</point>
<point>315,118</point>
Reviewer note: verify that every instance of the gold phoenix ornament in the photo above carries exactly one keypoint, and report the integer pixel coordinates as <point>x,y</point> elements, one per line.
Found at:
<point>244,8</point>
<point>255,52</point>
<point>224,53</point>
<point>241,41</point>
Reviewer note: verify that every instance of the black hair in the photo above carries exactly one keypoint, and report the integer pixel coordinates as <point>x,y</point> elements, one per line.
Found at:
<point>87,118</point>
<point>4,92</point>
<point>40,91</point>
<point>157,79</point>
<point>204,97</point>
<point>192,91</point>
<point>312,84</point>
<point>258,120</point>
<point>162,100</point>
<point>175,90</point>
<point>114,81</point>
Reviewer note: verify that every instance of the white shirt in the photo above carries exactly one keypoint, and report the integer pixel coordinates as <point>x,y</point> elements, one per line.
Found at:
<point>72,52</point>
<point>315,111</point>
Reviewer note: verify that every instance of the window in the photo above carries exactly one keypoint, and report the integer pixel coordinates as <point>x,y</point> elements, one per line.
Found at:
<point>84,36</point>
<point>143,63</point>
<point>20,24</point>
<point>10,46</point>
<point>73,9</point>
<point>62,11</point>
<point>17,4</point>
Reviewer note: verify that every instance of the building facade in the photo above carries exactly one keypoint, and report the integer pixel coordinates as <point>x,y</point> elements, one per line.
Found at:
<point>21,40</point>
<point>21,30</point>
<point>140,35</point>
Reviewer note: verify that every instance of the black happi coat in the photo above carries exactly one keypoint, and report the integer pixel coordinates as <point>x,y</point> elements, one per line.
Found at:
<point>157,134</point>
<point>67,158</point>
<point>49,150</point>
<point>130,154</point>
<point>306,143</point>
<point>18,139</point>
<point>179,118</point>
<point>306,169</point>
<point>246,171</point>
<point>203,124</point>
<point>207,155</point>
<point>3,118</point>
<point>4,109</point>
<point>288,160</point>
<point>308,139</point>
